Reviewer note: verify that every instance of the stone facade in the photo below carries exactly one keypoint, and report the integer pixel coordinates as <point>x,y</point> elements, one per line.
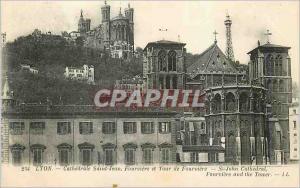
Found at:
<point>115,35</point>
<point>245,116</point>
<point>164,65</point>
<point>105,141</point>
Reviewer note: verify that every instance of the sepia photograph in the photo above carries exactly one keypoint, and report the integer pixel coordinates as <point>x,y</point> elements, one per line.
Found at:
<point>149,93</point>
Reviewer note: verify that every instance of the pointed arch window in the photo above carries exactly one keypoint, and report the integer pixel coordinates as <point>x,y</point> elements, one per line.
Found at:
<point>275,85</point>
<point>230,102</point>
<point>269,65</point>
<point>244,102</point>
<point>172,61</point>
<point>216,105</point>
<point>281,86</point>
<point>278,65</point>
<point>162,61</point>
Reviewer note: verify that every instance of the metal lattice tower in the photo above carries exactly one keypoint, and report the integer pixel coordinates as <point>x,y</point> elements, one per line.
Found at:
<point>229,47</point>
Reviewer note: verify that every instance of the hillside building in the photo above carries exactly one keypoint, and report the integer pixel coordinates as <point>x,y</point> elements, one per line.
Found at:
<point>84,73</point>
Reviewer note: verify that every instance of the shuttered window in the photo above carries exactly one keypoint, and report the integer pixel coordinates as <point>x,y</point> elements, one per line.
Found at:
<point>147,127</point>
<point>86,128</point>
<point>16,128</point>
<point>148,155</point>
<point>108,127</point>
<point>130,156</point>
<point>165,155</point>
<point>129,127</point>
<point>164,127</point>
<point>63,128</point>
<point>37,127</point>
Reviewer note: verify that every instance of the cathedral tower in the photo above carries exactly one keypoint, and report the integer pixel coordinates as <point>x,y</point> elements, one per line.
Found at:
<point>129,14</point>
<point>270,66</point>
<point>229,47</point>
<point>165,65</point>
<point>105,12</point>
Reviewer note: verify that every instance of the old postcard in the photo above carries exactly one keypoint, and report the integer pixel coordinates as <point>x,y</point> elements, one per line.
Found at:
<point>150,94</point>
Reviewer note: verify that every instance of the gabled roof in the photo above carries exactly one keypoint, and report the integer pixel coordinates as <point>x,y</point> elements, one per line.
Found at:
<point>164,42</point>
<point>212,59</point>
<point>269,45</point>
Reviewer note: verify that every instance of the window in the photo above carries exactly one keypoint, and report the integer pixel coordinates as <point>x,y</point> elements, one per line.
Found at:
<point>63,157</point>
<point>16,157</point>
<point>108,127</point>
<point>86,156</point>
<point>37,127</point>
<point>37,153</point>
<point>161,82</point>
<point>63,128</point>
<point>295,134</point>
<point>109,150</point>
<point>129,150</point>
<point>165,152</point>
<point>108,156</point>
<point>295,125</point>
<point>162,61</point>
<point>86,128</point>
<point>148,156</point>
<point>202,128</point>
<point>86,151</point>
<point>17,151</point>
<point>16,128</point>
<point>129,156</point>
<point>295,112</point>
<point>165,155</point>
<point>172,61</point>
<point>147,127</point>
<point>174,82</point>
<point>295,149</point>
<point>148,149</point>
<point>129,127</point>
<point>164,127</point>
<point>64,152</point>
<point>194,157</point>
<point>37,156</point>
<point>168,86</point>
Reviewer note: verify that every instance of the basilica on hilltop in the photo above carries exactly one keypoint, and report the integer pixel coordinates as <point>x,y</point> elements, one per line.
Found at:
<point>114,35</point>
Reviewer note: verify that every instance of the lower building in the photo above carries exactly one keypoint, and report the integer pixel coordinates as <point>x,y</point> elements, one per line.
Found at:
<point>90,137</point>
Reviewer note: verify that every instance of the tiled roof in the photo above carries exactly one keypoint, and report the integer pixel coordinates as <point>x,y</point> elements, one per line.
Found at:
<point>212,59</point>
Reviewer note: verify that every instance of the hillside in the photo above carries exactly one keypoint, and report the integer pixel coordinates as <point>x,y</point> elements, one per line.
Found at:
<point>50,54</point>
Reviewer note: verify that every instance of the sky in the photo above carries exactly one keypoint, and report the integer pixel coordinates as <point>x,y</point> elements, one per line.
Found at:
<point>193,21</point>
